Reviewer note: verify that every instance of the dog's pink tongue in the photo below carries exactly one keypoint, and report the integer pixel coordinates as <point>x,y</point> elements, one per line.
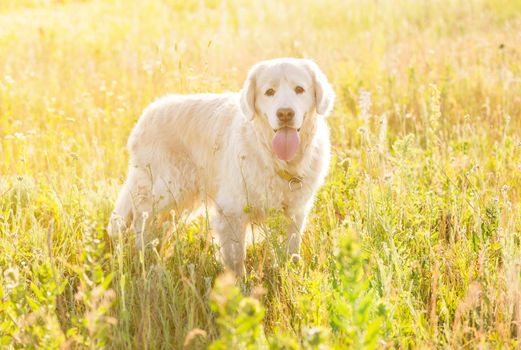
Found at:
<point>285,143</point>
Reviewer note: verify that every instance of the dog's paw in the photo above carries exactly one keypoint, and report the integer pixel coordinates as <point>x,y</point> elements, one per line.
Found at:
<point>296,259</point>
<point>116,226</point>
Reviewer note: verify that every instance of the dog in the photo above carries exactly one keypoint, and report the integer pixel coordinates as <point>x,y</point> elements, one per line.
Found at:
<point>242,154</point>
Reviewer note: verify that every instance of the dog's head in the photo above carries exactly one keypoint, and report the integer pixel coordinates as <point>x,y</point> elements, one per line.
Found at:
<point>285,90</point>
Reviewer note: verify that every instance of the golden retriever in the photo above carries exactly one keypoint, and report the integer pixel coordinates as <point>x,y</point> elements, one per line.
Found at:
<point>265,147</point>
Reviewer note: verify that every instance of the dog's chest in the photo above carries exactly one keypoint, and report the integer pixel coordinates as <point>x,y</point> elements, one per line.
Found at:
<point>281,191</point>
<point>277,185</point>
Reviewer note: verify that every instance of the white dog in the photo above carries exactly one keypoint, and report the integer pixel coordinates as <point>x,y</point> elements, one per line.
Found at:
<point>263,148</point>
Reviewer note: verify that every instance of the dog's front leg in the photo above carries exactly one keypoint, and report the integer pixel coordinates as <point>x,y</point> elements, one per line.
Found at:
<point>295,227</point>
<point>230,229</point>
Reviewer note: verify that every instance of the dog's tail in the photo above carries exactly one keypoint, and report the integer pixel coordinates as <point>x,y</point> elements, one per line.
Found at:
<point>120,217</point>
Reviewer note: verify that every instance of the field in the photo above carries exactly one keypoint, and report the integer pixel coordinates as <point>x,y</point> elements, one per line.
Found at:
<point>414,241</point>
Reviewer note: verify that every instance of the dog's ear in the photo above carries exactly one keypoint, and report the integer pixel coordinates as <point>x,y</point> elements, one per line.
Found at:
<point>248,94</point>
<point>324,94</point>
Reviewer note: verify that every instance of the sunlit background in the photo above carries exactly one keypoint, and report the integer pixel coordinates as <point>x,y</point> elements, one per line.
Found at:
<point>414,240</point>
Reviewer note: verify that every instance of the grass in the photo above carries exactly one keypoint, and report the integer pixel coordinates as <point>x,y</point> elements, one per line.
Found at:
<point>414,242</point>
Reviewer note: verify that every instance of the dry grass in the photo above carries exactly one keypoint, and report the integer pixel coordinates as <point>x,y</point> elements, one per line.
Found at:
<point>421,208</point>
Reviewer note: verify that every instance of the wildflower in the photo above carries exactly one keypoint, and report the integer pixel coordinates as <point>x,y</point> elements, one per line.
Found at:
<point>365,104</point>
<point>383,133</point>
<point>435,108</point>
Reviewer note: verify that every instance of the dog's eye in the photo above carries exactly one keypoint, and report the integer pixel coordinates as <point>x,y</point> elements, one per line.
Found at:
<point>299,90</point>
<point>269,92</point>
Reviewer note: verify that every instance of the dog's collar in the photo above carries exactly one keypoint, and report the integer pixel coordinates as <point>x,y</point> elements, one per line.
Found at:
<point>294,181</point>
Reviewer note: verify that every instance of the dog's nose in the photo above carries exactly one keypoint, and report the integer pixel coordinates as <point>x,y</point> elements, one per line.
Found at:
<point>285,114</point>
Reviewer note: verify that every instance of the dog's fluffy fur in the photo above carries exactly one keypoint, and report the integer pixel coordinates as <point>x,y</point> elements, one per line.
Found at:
<point>216,149</point>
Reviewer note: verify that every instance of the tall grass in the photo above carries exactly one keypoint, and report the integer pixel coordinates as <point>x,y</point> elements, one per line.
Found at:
<point>414,241</point>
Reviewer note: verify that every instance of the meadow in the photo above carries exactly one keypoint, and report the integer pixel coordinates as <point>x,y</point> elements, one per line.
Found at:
<point>414,241</point>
